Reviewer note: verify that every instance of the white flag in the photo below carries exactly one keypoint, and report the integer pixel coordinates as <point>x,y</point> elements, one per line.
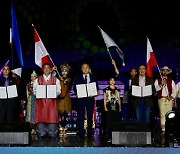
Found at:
<point>110,42</point>
<point>17,71</point>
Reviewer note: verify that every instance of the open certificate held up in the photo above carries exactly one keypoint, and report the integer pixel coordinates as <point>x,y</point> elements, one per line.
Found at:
<point>142,91</point>
<point>46,91</point>
<point>8,92</point>
<point>86,90</point>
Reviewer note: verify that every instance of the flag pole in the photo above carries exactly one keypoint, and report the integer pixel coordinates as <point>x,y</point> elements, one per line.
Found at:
<point>159,71</point>
<point>109,53</point>
<point>11,46</point>
<point>54,65</point>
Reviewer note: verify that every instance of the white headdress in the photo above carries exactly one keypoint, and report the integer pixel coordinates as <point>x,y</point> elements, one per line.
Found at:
<point>34,73</point>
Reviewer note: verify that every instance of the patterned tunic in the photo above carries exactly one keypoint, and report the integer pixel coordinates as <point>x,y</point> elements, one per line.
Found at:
<point>30,103</point>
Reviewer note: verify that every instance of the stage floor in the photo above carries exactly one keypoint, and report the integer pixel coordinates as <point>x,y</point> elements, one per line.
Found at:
<point>73,140</point>
<point>71,143</point>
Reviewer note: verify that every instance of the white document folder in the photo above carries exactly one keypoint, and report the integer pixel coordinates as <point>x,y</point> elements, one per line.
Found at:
<point>3,93</point>
<point>92,89</point>
<point>51,91</point>
<point>8,92</point>
<point>86,90</point>
<point>46,91</point>
<point>12,91</point>
<point>141,91</point>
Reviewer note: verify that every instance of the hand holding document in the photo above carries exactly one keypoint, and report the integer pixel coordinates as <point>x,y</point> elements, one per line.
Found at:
<point>46,91</point>
<point>86,90</point>
<point>141,91</point>
<point>8,92</point>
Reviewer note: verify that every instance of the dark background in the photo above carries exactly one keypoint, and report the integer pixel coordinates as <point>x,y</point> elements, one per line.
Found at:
<point>69,32</point>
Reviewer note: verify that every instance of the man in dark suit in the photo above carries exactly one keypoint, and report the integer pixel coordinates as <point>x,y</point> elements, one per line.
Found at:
<point>143,104</point>
<point>7,105</point>
<point>86,102</point>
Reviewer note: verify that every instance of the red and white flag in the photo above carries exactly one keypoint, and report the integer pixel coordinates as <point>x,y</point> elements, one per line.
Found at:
<point>151,59</point>
<point>41,54</point>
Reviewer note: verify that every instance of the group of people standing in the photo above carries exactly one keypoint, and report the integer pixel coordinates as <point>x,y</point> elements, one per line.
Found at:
<point>46,113</point>
<point>48,116</point>
<point>163,88</point>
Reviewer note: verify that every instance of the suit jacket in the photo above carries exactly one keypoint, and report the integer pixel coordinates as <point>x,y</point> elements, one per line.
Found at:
<point>80,80</point>
<point>12,81</point>
<point>149,99</point>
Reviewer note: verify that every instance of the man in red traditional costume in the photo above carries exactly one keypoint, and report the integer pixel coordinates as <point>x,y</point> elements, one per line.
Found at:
<point>166,92</point>
<point>46,114</point>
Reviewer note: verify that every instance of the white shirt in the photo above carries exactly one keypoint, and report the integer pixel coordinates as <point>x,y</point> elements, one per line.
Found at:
<point>165,92</point>
<point>142,81</point>
<point>178,89</point>
<point>46,78</point>
<point>130,82</point>
<point>88,77</point>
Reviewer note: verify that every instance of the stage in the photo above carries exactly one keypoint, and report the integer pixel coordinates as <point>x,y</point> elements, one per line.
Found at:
<point>71,143</point>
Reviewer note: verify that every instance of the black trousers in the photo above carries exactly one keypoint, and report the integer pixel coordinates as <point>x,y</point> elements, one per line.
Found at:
<point>111,116</point>
<point>82,105</point>
<point>7,110</point>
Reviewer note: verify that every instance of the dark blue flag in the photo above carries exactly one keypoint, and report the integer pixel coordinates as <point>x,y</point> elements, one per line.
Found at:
<point>15,37</point>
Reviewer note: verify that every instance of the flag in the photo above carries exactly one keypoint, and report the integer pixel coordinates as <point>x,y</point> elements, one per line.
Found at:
<point>15,36</point>
<point>17,71</point>
<point>110,42</point>
<point>151,59</point>
<point>17,57</point>
<point>41,54</point>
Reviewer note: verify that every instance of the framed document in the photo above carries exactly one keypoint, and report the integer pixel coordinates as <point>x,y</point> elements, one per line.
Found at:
<point>8,92</point>
<point>41,91</point>
<point>142,91</point>
<point>86,90</point>
<point>3,93</point>
<point>136,91</point>
<point>46,91</point>
<point>81,90</point>
<point>51,91</point>
<point>12,91</point>
<point>92,89</point>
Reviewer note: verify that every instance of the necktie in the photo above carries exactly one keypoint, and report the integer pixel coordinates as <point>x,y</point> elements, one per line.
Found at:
<point>85,79</point>
<point>6,82</point>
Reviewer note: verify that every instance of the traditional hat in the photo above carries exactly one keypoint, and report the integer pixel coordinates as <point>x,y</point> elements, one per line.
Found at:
<point>166,68</point>
<point>34,73</point>
<point>65,66</point>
